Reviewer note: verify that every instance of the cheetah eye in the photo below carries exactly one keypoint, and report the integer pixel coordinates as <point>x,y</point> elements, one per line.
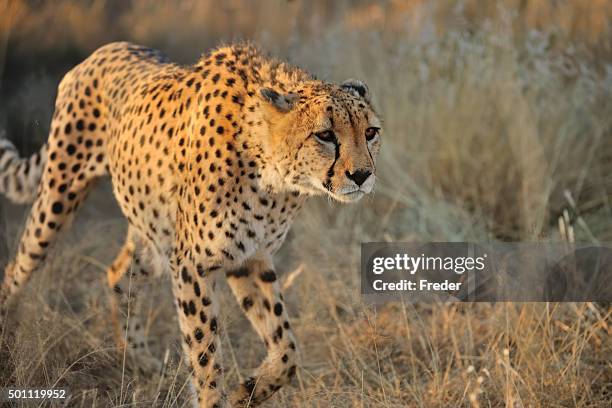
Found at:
<point>326,136</point>
<point>371,133</point>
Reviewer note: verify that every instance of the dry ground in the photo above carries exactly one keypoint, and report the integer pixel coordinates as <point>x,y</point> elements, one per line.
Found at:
<point>495,122</point>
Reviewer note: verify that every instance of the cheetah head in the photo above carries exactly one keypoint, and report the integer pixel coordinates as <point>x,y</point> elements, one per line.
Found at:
<point>323,138</point>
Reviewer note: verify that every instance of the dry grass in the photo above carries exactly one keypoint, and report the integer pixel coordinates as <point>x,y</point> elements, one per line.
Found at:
<point>492,120</point>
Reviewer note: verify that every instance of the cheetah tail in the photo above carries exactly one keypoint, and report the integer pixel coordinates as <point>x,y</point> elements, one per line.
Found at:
<point>19,176</point>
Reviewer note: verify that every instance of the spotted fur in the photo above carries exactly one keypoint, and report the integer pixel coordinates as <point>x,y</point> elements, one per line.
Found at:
<point>210,164</point>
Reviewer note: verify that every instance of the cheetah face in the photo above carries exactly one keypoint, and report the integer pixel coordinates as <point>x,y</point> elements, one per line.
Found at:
<point>325,139</point>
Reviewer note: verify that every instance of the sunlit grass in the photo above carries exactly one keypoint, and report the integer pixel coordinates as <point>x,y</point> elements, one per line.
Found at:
<point>494,123</point>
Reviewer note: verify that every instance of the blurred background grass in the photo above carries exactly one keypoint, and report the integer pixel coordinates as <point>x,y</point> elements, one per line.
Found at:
<point>497,117</point>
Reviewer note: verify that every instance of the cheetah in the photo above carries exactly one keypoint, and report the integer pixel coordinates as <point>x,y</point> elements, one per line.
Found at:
<point>210,164</point>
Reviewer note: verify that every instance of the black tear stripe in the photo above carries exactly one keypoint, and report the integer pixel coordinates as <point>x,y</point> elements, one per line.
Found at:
<point>369,153</point>
<point>330,172</point>
<point>355,128</point>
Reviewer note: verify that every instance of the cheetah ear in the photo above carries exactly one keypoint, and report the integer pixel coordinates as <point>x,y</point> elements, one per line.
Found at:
<point>357,88</point>
<point>282,103</point>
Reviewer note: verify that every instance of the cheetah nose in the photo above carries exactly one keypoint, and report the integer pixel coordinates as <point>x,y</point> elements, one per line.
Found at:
<point>359,176</point>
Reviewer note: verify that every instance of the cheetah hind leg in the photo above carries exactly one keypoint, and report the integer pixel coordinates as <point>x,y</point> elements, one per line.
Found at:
<point>51,211</point>
<point>129,278</point>
<point>114,274</point>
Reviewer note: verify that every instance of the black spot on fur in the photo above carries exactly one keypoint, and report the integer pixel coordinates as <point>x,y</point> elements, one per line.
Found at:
<point>278,309</point>
<point>247,303</point>
<point>198,334</point>
<point>213,325</point>
<point>238,273</point>
<point>203,359</point>
<point>268,276</point>
<point>249,385</point>
<point>57,207</point>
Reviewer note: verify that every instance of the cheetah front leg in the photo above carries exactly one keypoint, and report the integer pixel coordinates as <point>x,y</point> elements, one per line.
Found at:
<point>197,306</point>
<point>257,290</point>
